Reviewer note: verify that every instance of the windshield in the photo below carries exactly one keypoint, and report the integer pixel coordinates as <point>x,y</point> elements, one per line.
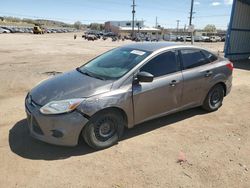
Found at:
<point>114,64</point>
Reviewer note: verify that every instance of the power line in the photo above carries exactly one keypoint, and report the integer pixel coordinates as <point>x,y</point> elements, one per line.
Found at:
<point>210,16</point>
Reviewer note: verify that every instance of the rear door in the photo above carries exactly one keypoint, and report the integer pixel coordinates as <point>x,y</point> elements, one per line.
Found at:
<point>197,74</point>
<point>164,93</point>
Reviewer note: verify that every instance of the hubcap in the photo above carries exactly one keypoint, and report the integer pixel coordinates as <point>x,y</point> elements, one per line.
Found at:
<point>104,129</point>
<point>215,97</point>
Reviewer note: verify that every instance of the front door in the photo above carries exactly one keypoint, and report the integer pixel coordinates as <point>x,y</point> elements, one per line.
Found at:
<point>164,93</point>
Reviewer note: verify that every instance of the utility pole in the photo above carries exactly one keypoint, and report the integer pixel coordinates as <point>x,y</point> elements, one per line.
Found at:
<point>138,25</point>
<point>156,22</point>
<point>156,26</point>
<point>178,22</point>
<point>133,19</point>
<point>190,20</point>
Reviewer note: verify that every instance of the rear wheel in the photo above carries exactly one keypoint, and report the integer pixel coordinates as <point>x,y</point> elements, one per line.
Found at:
<point>104,129</point>
<point>214,98</point>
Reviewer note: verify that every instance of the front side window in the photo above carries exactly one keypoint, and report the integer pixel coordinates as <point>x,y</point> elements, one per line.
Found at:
<point>163,64</point>
<point>114,64</point>
<point>192,58</point>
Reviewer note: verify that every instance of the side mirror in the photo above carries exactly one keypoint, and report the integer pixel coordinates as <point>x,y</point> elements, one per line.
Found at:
<point>145,77</point>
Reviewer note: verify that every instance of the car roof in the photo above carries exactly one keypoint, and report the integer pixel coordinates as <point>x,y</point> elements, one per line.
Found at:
<point>154,46</point>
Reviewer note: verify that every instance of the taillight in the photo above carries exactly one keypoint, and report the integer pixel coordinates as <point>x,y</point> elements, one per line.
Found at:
<point>230,65</point>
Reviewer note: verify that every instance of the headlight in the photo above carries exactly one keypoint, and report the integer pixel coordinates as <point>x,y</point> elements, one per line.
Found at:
<point>59,107</point>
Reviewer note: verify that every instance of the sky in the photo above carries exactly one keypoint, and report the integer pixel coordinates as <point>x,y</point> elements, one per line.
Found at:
<point>215,12</point>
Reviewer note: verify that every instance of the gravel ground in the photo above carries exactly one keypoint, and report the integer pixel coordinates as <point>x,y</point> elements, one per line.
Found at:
<point>215,145</point>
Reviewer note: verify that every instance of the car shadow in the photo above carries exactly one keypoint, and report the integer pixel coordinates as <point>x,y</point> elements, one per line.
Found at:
<point>162,122</point>
<point>22,144</point>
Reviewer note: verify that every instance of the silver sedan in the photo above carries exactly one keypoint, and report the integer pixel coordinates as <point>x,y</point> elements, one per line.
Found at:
<point>124,87</point>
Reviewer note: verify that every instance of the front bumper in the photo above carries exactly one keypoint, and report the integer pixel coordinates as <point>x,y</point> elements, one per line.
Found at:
<point>63,129</point>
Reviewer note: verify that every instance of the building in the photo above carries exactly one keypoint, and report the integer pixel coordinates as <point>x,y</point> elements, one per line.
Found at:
<point>109,24</point>
<point>124,28</point>
<point>221,33</point>
<point>237,44</point>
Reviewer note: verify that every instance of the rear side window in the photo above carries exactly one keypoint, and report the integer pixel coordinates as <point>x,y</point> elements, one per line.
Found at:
<point>209,56</point>
<point>193,58</point>
<point>163,64</point>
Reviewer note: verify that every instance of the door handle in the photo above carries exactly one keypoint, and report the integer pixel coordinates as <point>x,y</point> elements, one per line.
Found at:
<point>174,83</point>
<point>208,73</point>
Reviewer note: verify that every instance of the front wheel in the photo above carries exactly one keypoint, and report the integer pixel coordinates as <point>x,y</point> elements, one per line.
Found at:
<point>104,129</point>
<point>214,98</point>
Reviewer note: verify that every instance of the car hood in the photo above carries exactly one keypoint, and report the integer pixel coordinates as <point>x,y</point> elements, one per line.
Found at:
<point>69,85</point>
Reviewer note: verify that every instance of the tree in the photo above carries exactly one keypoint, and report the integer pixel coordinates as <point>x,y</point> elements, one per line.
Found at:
<point>210,28</point>
<point>78,25</point>
<point>96,26</point>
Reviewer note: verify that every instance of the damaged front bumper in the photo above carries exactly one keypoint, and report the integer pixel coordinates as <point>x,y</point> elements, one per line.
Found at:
<point>63,129</point>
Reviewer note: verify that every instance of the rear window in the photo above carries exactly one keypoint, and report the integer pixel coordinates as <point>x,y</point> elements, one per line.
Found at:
<point>209,56</point>
<point>193,58</point>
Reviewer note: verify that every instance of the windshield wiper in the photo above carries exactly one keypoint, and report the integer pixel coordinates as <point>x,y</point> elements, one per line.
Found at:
<point>89,74</point>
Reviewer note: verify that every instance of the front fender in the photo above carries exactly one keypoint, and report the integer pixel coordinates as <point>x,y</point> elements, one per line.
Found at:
<point>120,98</point>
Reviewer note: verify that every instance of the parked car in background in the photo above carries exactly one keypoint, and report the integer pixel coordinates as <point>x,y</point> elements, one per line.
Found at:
<point>91,37</point>
<point>127,37</point>
<point>185,38</point>
<point>171,37</point>
<point>198,39</point>
<point>214,39</point>
<point>206,39</point>
<point>53,31</point>
<point>188,38</point>
<point>109,34</point>
<point>218,38</point>
<point>8,29</point>
<point>124,87</point>
<point>11,29</point>
<point>178,38</point>
<point>2,30</point>
<point>37,29</point>
<point>223,38</point>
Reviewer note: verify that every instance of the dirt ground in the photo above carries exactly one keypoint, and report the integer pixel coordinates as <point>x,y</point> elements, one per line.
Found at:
<point>216,145</point>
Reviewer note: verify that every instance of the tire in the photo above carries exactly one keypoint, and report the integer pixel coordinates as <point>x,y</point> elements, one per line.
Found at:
<point>104,129</point>
<point>214,98</point>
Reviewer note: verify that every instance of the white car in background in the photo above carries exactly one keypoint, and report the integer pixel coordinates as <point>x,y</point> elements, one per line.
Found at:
<point>205,38</point>
<point>215,39</point>
<point>4,30</point>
